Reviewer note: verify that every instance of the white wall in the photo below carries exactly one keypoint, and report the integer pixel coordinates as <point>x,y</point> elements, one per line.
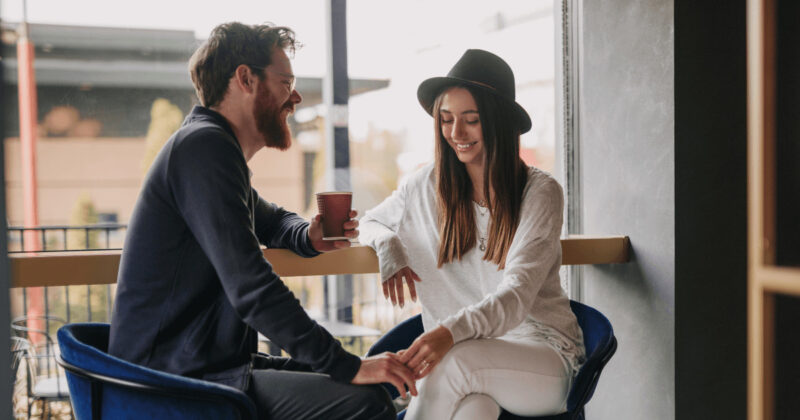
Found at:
<point>627,169</point>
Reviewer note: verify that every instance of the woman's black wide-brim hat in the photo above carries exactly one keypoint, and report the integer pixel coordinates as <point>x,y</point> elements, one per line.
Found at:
<point>480,69</point>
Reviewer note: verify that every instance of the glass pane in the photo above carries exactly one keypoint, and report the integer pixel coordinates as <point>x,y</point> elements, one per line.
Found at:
<point>112,85</point>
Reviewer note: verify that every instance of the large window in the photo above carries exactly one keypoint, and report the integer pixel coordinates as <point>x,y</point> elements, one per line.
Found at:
<point>112,85</point>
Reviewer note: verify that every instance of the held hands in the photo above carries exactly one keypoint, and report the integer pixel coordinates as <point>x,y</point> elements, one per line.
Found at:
<point>386,367</point>
<point>404,368</point>
<point>315,233</point>
<point>427,351</point>
<point>393,286</point>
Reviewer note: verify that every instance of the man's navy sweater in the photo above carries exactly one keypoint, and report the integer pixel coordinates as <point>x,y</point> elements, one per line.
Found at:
<point>193,285</point>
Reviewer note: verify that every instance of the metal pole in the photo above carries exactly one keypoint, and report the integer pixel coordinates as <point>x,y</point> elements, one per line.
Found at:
<point>28,116</point>
<point>572,43</point>
<point>336,95</point>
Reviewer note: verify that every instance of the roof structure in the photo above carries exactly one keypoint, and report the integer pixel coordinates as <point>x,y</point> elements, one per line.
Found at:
<point>126,58</point>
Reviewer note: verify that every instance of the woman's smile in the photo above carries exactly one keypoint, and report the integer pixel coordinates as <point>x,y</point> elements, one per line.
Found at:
<point>464,147</point>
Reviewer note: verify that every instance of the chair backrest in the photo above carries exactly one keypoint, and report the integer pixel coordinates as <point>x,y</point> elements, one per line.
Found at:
<point>103,386</point>
<point>43,350</point>
<point>24,350</point>
<point>399,337</point>
<point>600,343</point>
<point>20,351</point>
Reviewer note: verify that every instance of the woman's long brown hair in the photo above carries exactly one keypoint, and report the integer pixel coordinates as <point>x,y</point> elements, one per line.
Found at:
<point>504,171</point>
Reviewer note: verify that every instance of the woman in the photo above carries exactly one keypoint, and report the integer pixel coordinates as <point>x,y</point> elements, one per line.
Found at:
<point>477,234</point>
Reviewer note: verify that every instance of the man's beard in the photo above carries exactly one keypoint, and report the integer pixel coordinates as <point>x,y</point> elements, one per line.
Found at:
<point>271,124</point>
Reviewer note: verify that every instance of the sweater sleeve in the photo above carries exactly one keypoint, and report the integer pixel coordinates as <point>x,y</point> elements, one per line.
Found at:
<point>534,253</point>
<point>276,227</point>
<point>378,230</point>
<point>208,178</point>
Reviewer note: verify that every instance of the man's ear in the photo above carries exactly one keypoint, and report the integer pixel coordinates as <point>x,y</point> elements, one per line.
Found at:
<point>243,78</point>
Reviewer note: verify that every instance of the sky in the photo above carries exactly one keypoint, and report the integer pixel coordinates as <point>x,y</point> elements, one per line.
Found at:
<point>404,26</point>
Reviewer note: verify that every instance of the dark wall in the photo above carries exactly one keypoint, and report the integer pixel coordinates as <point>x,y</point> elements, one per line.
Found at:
<point>787,309</point>
<point>710,210</point>
<point>663,160</point>
<point>788,134</point>
<point>787,366</point>
<point>5,315</point>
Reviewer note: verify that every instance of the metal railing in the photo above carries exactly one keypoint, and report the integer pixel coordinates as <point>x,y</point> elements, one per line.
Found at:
<point>59,238</point>
<point>16,237</point>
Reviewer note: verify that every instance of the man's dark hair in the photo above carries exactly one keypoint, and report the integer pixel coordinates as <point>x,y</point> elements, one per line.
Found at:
<point>229,46</point>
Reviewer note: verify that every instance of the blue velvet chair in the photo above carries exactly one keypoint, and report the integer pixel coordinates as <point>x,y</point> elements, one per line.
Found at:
<point>598,336</point>
<point>105,387</point>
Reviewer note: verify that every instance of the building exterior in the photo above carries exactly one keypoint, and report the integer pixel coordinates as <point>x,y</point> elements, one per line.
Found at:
<point>97,89</point>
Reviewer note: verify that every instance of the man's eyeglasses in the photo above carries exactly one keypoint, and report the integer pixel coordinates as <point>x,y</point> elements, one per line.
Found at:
<point>288,79</point>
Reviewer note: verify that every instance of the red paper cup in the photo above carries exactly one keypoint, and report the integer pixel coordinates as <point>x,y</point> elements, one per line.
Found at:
<point>334,207</point>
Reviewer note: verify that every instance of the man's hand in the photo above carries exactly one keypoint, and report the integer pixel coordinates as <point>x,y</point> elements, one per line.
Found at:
<point>315,233</point>
<point>393,286</point>
<point>386,367</point>
<point>427,351</point>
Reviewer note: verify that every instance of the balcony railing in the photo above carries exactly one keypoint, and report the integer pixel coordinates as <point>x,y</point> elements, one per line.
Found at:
<point>63,238</point>
<point>56,238</point>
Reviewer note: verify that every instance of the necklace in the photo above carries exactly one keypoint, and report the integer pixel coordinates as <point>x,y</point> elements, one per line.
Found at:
<point>483,209</point>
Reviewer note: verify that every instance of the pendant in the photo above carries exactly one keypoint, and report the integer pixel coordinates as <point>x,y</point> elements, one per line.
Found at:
<point>482,245</point>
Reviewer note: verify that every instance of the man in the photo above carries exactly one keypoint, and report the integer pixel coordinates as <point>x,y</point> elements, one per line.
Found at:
<point>194,288</point>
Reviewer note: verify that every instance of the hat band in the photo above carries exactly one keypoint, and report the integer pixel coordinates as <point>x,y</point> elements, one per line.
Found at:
<point>483,84</point>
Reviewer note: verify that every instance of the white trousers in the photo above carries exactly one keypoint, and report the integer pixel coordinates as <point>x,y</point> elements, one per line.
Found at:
<point>477,377</point>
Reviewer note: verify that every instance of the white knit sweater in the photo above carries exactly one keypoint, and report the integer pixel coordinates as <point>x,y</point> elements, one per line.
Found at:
<point>471,297</point>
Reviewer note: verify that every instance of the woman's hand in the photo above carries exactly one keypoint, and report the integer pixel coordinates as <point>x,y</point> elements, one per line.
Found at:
<point>427,351</point>
<point>393,286</point>
<point>315,234</point>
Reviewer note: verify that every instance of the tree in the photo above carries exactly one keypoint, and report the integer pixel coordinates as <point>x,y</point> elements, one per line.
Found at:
<point>83,213</point>
<point>165,119</point>
<point>84,299</point>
